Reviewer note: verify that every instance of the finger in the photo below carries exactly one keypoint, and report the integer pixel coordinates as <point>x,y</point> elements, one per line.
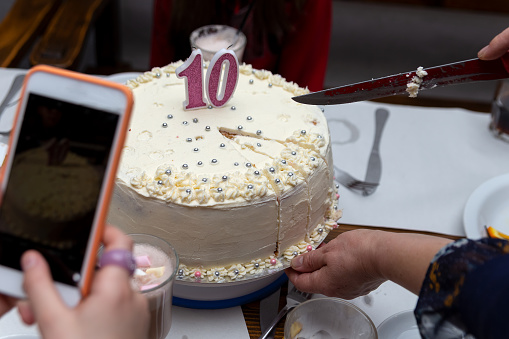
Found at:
<point>112,278</point>
<point>310,261</point>
<point>497,47</point>
<point>306,282</point>
<point>39,286</point>
<point>25,312</point>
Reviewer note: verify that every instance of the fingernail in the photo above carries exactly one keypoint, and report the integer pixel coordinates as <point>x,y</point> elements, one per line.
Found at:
<point>482,51</point>
<point>297,262</point>
<point>28,261</point>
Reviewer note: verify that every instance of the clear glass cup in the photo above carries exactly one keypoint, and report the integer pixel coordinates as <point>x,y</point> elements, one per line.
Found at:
<point>499,124</point>
<point>159,294</point>
<point>329,318</point>
<point>212,38</point>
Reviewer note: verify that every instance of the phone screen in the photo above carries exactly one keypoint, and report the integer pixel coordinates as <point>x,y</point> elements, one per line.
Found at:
<point>54,184</point>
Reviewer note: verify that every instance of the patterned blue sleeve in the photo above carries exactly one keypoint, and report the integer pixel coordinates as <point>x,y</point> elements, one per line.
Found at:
<point>451,299</point>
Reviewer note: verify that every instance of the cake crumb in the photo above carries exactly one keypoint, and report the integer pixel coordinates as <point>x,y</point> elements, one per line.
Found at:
<point>415,84</point>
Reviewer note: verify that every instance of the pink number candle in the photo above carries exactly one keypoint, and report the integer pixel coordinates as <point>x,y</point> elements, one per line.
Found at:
<point>191,72</point>
<point>227,58</point>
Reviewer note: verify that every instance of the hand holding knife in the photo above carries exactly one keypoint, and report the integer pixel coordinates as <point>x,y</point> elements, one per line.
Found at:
<point>456,73</point>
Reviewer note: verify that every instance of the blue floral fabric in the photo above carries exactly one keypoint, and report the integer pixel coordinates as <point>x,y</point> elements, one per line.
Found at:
<point>458,298</point>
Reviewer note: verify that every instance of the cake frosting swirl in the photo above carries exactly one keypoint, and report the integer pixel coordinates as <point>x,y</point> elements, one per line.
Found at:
<point>238,190</point>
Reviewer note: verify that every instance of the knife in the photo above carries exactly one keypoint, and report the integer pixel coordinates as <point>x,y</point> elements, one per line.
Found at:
<point>456,73</point>
<point>15,86</point>
<point>269,308</point>
<point>374,171</point>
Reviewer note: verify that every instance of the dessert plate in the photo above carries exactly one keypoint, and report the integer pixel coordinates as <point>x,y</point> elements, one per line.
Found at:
<point>401,325</point>
<point>488,205</point>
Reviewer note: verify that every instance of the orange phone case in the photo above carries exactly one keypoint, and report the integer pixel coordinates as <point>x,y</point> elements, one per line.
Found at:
<point>110,175</point>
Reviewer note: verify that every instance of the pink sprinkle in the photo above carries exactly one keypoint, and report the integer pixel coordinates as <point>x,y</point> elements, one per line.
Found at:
<point>197,274</point>
<point>142,261</point>
<point>273,262</point>
<point>147,287</point>
<point>335,226</point>
<point>309,248</point>
<point>337,196</point>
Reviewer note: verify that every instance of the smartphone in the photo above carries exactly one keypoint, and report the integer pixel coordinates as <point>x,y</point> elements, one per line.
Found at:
<point>58,174</point>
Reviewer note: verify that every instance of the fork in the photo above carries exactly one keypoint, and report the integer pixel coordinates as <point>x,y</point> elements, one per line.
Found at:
<point>345,179</point>
<point>294,298</point>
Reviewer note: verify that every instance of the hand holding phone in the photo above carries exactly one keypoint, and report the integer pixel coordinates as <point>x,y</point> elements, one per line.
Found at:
<point>58,175</point>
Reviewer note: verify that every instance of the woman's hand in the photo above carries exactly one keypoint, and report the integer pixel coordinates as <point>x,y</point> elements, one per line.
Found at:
<point>497,47</point>
<point>357,262</point>
<point>111,310</point>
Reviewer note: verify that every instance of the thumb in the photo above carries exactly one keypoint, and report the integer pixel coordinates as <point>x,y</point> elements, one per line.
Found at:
<point>309,262</point>
<point>38,284</point>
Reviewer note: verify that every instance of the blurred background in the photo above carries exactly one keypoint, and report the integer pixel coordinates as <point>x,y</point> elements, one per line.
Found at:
<point>369,39</point>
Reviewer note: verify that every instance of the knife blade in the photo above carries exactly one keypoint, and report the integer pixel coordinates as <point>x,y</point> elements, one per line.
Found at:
<point>374,171</point>
<point>455,73</point>
<point>15,87</point>
<point>269,308</point>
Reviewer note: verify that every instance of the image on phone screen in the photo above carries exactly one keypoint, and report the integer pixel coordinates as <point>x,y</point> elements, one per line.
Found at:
<point>54,184</point>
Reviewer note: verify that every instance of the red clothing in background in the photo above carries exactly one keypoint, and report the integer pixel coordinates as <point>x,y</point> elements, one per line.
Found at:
<point>300,55</point>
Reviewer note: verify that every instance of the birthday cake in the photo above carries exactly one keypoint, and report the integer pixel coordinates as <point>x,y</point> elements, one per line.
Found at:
<point>238,190</point>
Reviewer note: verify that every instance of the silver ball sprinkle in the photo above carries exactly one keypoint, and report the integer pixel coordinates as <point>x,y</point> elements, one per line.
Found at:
<point>159,182</point>
<point>272,170</point>
<point>209,106</point>
<point>240,127</point>
<point>168,171</point>
<point>204,179</point>
<point>214,161</point>
<point>189,139</point>
<point>235,271</point>
<point>283,162</point>
<point>259,132</point>
<point>256,265</point>
<point>320,230</point>
<point>200,163</point>
<point>158,75</point>
<point>185,166</point>
<point>320,137</point>
<point>295,253</point>
<point>224,177</point>
<point>258,144</point>
<point>165,125</point>
<point>167,74</point>
<point>337,185</point>
<point>303,132</point>
<point>181,272</point>
<point>336,207</point>
<point>222,145</point>
<point>256,172</point>
<point>217,274</point>
<point>219,189</point>
<point>235,164</point>
<point>251,81</point>
<point>250,186</point>
<point>270,85</point>
<point>233,108</point>
<point>196,149</point>
<point>248,164</point>
<point>185,123</point>
<point>294,153</point>
<point>290,174</point>
<point>249,118</point>
<point>188,191</point>
<point>277,181</point>
<point>313,158</point>
<point>323,110</point>
<point>195,120</point>
<point>207,128</point>
<point>170,116</point>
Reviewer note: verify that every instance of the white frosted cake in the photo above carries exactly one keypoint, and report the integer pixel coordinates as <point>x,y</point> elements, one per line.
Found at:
<point>237,190</point>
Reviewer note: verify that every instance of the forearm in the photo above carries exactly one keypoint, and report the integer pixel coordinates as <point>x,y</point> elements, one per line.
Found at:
<point>404,257</point>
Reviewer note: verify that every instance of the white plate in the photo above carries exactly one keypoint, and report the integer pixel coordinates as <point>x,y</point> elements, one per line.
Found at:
<point>399,326</point>
<point>122,78</point>
<point>488,205</point>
